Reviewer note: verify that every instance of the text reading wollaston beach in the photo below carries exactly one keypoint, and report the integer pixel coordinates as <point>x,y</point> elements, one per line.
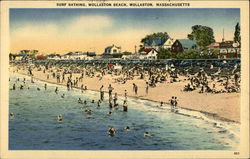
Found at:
<point>122,4</point>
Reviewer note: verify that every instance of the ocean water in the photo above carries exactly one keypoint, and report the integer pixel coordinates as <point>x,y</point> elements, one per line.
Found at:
<point>35,125</point>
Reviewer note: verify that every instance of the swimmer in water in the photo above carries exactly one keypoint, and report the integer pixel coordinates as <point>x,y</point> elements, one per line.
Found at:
<point>93,101</point>
<point>111,131</point>
<point>14,86</point>
<point>115,99</point>
<point>88,111</point>
<point>125,106</point>
<point>85,102</point>
<point>80,101</point>
<point>45,86</point>
<point>127,128</point>
<point>63,95</point>
<point>116,106</point>
<point>38,89</point>
<point>99,103</point>
<point>146,134</point>
<point>56,90</point>
<point>21,87</point>
<point>59,117</point>
<point>109,113</point>
<point>12,115</point>
<point>110,104</point>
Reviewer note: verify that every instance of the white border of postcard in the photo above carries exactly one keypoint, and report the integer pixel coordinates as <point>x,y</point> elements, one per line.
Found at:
<point>242,152</point>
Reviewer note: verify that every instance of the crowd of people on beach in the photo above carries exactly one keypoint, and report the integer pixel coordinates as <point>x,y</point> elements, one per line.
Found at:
<point>201,80</point>
<point>204,81</point>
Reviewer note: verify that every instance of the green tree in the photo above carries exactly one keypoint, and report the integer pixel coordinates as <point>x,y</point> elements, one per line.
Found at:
<point>165,54</point>
<point>202,34</point>
<point>237,37</point>
<point>214,53</point>
<point>189,54</point>
<point>154,35</point>
<point>209,54</point>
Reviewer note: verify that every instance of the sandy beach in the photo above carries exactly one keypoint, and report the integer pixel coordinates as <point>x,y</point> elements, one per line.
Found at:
<point>222,106</point>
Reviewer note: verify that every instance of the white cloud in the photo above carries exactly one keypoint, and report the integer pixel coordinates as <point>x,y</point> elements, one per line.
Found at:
<point>35,31</point>
<point>82,24</point>
<point>81,33</point>
<point>90,23</point>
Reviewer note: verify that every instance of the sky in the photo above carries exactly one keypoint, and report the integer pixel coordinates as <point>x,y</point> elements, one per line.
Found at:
<point>64,30</point>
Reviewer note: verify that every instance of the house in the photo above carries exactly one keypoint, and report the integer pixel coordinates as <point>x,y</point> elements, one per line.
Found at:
<point>29,52</point>
<point>227,49</point>
<point>214,45</point>
<point>168,44</point>
<point>18,57</point>
<point>40,57</point>
<point>112,50</point>
<point>156,43</point>
<point>127,55</point>
<point>89,55</point>
<point>97,57</point>
<point>77,55</point>
<point>23,55</point>
<point>65,56</point>
<point>148,53</point>
<point>181,45</point>
<point>53,57</point>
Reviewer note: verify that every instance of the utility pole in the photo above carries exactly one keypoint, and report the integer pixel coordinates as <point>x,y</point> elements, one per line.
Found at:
<point>223,36</point>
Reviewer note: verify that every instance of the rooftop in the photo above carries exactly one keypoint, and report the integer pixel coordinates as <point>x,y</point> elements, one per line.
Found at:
<point>155,41</point>
<point>187,43</point>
